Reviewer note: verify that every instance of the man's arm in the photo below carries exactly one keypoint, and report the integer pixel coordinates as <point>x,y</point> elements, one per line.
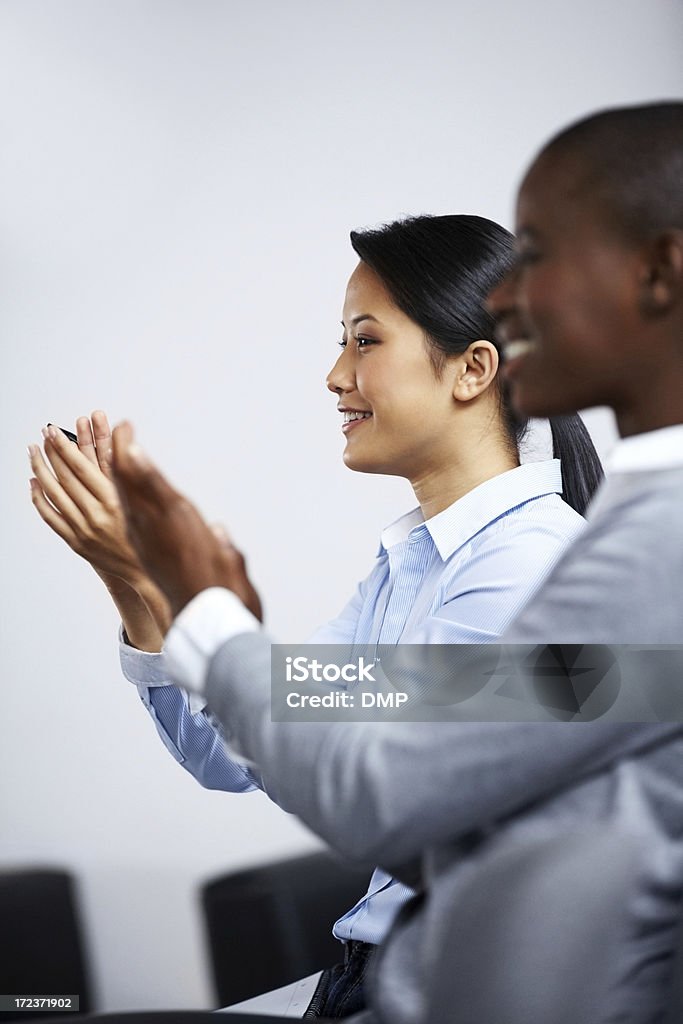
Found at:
<point>383,792</point>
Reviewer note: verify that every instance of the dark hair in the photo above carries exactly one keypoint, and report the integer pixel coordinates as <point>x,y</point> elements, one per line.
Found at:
<point>631,161</point>
<point>439,271</point>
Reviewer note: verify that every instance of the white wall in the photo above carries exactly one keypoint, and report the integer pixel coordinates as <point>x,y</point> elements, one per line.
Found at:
<point>178,183</point>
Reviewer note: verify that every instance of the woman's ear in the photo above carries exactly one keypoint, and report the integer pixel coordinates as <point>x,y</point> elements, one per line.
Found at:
<point>476,368</point>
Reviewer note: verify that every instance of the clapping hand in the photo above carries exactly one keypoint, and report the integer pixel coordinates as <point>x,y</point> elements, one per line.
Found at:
<point>179,551</point>
<point>74,494</point>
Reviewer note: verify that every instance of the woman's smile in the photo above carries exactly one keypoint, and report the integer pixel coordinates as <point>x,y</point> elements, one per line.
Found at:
<point>353,418</point>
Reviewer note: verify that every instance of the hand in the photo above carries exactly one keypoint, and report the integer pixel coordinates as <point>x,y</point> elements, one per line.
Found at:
<point>180,552</point>
<point>77,499</point>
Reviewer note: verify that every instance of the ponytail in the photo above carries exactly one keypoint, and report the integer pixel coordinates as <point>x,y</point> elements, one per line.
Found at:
<point>581,467</point>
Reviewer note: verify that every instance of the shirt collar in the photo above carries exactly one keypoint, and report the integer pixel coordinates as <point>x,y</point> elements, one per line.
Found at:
<point>656,449</point>
<point>468,515</point>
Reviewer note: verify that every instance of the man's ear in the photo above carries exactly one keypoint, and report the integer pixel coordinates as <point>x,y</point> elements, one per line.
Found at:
<point>476,369</point>
<point>662,283</point>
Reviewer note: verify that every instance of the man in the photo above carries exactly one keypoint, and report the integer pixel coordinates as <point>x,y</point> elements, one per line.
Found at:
<point>592,314</point>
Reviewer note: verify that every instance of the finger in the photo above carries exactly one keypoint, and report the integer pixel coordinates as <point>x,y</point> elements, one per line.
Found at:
<point>67,478</point>
<point>70,464</point>
<point>136,477</point>
<point>86,441</point>
<point>53,489</point>
<point>101,493</point>
<point>122,438</point>
<point>49,514</point>
<point>103,441</point>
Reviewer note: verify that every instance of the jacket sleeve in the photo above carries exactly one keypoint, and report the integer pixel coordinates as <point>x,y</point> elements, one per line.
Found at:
<point>384,791</point>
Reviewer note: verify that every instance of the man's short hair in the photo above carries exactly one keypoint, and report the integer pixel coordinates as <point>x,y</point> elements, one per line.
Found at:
<point>631,161</point>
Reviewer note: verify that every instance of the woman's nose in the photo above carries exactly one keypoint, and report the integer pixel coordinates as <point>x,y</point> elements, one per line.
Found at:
<point>342,376</point>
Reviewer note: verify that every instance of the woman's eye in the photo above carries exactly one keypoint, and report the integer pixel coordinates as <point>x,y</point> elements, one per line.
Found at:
<point>360,342</point>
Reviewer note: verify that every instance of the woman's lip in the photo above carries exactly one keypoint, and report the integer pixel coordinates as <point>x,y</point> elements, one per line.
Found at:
<point>346,427</point>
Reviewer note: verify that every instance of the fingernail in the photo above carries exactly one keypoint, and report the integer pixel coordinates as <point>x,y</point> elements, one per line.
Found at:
<point>44,432</point>
<point>31,452</point>
<point>52,432</point>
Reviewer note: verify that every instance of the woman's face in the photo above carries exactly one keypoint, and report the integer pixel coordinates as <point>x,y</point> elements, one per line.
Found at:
<point>397,417</point>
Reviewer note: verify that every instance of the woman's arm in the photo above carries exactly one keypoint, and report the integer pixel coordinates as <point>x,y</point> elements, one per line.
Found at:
<point>74,495</point>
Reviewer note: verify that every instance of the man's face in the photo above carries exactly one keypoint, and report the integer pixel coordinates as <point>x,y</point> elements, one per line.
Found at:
<point>569,316</point>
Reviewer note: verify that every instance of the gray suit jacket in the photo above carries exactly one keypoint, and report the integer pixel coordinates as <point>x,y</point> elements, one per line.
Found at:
<point>389,793</point>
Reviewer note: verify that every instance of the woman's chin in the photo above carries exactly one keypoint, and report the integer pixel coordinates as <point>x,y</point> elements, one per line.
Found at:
<point>354,462</point>
<point>366,464</point>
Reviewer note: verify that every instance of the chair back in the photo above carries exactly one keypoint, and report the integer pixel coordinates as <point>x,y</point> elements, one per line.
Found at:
<point>42,949</point>
<point>269,925</point>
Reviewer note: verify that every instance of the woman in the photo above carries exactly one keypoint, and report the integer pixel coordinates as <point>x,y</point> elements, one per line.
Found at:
<point>418,388</point>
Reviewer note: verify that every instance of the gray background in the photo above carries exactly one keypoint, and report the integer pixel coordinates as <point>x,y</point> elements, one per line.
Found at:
<point>178,182</point>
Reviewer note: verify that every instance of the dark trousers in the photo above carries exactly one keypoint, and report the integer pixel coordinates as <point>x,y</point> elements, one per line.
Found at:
<point>341,989</point>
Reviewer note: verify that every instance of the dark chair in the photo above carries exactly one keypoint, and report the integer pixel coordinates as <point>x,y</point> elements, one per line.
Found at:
<point>41,951</point>
<point>268,926</point>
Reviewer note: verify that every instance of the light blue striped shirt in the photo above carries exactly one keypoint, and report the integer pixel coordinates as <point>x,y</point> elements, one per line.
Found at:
<point>460,577</point>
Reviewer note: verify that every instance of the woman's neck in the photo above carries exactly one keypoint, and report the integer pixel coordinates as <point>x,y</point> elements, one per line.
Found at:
<point>439,486</point>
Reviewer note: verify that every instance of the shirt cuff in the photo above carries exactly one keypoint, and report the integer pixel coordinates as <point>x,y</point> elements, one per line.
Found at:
<point>203,626</point>
<point>142,667</point>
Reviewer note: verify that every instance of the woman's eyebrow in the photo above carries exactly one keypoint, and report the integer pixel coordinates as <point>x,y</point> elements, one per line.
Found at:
<point>357,319</point>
